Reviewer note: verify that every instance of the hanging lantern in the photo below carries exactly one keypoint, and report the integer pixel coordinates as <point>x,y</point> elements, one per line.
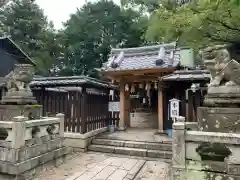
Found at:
<point>140,85</point>
<point>155,85</point>
<point>147,87</point>
<point>126,87</point>
<point>132,89</point>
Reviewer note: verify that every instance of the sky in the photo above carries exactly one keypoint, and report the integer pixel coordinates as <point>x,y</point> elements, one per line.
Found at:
<point>59,10</point>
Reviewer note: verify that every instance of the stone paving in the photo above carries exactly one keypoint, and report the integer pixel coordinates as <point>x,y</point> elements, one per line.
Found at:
<point>155,170</point>
<point>112,168</point>
<point>98,166</point>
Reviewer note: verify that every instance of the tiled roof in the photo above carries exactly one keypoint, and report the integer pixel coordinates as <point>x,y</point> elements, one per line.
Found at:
<point>2,81</point>
<point>142,57</point>
<point>64,81</point>
<point>68,80</point>
<point>12,48</point>
<point>75,89</point>
<point>188,75</point>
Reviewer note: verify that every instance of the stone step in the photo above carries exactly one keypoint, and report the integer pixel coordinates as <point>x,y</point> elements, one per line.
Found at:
<point>165,140</point>
<point>131,151</point>
<point>133,144</point>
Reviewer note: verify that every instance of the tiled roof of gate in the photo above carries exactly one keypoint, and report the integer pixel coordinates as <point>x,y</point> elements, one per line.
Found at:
<point>143,57</point>
<point>188,75</point>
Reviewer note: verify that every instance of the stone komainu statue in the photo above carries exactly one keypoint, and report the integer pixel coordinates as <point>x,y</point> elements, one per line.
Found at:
<point>19,78</point>
<point>223,63</point>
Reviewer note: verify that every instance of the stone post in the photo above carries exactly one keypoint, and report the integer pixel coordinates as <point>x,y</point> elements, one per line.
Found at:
<point>61,128</point>
<point>18,132</point>
<point>178,149</point>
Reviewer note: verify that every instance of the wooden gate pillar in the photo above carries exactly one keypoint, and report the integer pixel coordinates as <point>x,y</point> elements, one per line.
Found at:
<point>124,108</point>
<point>160,108</point>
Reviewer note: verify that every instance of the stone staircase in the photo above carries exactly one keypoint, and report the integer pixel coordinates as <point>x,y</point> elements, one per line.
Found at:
<point>162,150</point>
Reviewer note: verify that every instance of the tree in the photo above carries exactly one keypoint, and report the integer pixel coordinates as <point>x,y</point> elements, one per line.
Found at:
<point>3,3</point>
<point>194,23</point>
<point>25,22</point>
<point>93,30</point>
<point>143,5</point>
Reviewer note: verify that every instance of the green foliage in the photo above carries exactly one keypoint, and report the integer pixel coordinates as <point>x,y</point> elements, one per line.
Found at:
<point>143,5</point>
<point>192,23</point>
<point>26,24</point>
<point>91,32</point>
<point>196,24</point>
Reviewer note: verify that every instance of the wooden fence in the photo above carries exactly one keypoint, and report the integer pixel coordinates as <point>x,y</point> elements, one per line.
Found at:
<point>84,111</point>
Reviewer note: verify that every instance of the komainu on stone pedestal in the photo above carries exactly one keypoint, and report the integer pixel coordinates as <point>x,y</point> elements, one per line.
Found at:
<point>222,102</point>
<point>18,81</point>
<point>212,151</point>
<point>224,88</point>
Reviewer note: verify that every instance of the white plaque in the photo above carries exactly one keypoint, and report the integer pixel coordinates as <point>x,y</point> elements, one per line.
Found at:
<point>114,106</point>
<point>174,108</point>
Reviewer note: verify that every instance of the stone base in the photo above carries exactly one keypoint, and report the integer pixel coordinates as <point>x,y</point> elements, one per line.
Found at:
<point>22,162</point>
<point>41,168</point>
<point>223,120</point>
<point>193,174</point>
<point>203,175</point>
<point>18,100</point>
<point>223,96</point>
<point>80,142</point>
<point>19,97</point>
<point>178,173</point>
<point>7,112</point>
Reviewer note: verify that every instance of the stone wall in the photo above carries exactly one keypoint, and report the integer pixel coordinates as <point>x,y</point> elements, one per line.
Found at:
<point>189,164</point>
<point>26,145</point>
<point>80,142</point>
<point>145,120</point>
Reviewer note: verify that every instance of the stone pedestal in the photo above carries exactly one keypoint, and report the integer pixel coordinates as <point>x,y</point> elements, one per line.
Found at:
<point>213,119</point>
<point>7,112</point>
<point>223,96</point>
<point>19,97</point>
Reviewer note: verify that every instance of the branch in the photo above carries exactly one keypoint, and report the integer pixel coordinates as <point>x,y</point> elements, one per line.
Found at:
<point>215,38</point>
<point>224,24</point>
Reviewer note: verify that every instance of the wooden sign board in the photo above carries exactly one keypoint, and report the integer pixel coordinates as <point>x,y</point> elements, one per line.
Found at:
<point>114,106</point>
<point>174,108</point>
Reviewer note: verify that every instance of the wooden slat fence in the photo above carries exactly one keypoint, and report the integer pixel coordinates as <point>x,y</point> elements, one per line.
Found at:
<point>84,111</point>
